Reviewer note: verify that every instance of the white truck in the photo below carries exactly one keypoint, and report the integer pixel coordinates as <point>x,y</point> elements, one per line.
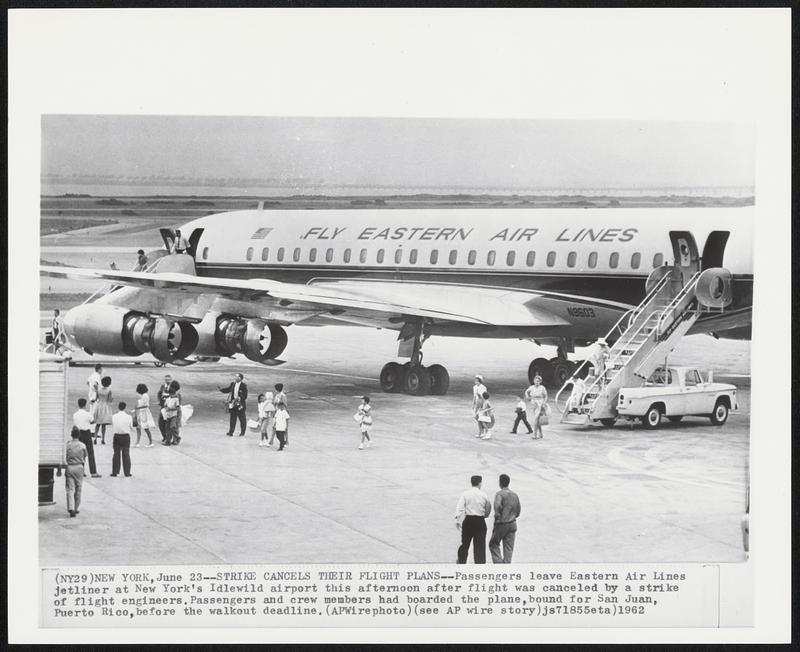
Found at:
<point>675,392</point>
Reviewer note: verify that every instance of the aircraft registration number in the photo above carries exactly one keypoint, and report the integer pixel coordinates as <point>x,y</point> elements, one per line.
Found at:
<point>586,313</point>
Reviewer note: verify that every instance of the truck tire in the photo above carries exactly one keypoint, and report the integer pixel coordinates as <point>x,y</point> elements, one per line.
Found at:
<point>652,419</point>
<point>720,413</point>
<point>675,419</point>
<point>608,422</point>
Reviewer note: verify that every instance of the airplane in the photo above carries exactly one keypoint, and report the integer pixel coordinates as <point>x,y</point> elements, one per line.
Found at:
<point>559,276</point>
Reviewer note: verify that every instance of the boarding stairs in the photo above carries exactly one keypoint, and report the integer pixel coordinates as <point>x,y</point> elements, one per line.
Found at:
<point>642,338</point>
<point>154,258</point>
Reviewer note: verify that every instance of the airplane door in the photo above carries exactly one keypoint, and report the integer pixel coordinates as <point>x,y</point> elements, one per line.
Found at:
<point>168,237</point>
<point>714,249</point>
<point>194,240</point>
<point>684,249</point>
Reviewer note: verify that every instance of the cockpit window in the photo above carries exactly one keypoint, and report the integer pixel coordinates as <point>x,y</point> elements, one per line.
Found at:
<point>261,233</point>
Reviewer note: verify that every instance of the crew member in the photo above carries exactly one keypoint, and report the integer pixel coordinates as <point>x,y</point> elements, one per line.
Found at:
<point>180,245</point>
<point>471,511</point>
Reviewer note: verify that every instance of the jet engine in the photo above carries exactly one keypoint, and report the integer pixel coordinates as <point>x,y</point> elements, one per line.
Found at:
<point>226,335</point>
<point>115,331</point>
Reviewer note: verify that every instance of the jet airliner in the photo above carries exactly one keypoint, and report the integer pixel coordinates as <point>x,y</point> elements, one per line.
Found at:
<point>559,277</point>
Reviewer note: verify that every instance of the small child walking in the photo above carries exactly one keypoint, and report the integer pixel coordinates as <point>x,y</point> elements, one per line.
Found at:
<point>522,416</point>
<point>281,423</point>
<point>266,409</point>
<point>365,422</point>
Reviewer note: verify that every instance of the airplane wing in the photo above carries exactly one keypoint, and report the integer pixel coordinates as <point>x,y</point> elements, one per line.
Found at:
<point>442,302</point>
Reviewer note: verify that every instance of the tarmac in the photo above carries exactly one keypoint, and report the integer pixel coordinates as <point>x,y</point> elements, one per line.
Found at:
<point>623,494</point>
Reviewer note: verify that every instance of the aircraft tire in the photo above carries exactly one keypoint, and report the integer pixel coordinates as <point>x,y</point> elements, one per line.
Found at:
<point>418,381</point>
<point>562,372</point>
<point>440,380</point>
<point>544,369</point>
<point>392,378</point>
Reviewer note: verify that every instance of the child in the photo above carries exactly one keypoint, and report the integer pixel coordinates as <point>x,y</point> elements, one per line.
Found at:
<point>281,423</point>
<point>486,417</point>
<point>265,411</point>
<point>365,421</point>
<point>522,416</point>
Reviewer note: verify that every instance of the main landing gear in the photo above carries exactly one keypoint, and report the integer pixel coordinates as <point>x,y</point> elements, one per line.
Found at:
<point>556,371</point>
<point>413,377</point>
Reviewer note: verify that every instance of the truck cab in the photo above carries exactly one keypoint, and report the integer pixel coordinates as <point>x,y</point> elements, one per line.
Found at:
<point>675,392</point>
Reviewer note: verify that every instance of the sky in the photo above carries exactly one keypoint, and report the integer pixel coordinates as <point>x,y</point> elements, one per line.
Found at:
<point>403,151</point>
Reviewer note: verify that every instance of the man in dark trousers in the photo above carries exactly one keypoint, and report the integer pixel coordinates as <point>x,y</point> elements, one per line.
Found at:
<point>82,420</point>
<point>237,397</point>
<point>506,512</point>
<point>471,511</point>
<point>163,395</point>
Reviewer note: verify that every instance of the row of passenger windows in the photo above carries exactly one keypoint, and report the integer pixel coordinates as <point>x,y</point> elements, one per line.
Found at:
<point>281,255</point>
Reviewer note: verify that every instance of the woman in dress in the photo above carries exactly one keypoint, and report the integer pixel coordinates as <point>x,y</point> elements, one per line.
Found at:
<point>144,418</point>
<point>537,395</point>
<point>478,390</point>
<point>486,417</point>
<point>175,390</point>
<point>102,408</point>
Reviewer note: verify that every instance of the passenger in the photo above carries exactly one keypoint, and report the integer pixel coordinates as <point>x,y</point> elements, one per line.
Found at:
<point>57,331</point>
<point>506,511</point>
<point>576,396</point>
<point>281,424</point>
<point>180,245</point>
<point>472,509</point>
<point>364,415</point>
<point>265,411</point>
<point>94,384</point>
<point>143,418</point>
<point>478,390</point>
<point>486,417</point>
<point>599,354</point>
<point>236,404</point>
<point>75,456</point>
<point>163,393</point>
<point>170,413</point>
<point>141,261</point>
<point>102,408</point>
<point>522,416</point>
<point>269,409</point>
<point>123,425</point>
<point>537,395</point>
<point>184,412</point>
<point>280,397</point>
<point>82,420</point>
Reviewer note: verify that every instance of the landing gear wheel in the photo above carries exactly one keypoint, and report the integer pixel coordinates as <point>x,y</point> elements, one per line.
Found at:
<point>392,377</point>
<point>720,414</point>
<point>585,370</point>
<point>440,380</point>
<point>562,372</point>
<point>608,422</point>
<point>540,367</point>
<point>418,381</point>
<point>652,419</point>
<point>675,419</point>
<point>159,363</point>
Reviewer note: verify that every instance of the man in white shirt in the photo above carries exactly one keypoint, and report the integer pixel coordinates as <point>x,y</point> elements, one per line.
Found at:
<point>180,245</point>
<point>82,420</point>
<point>471,511</point>
<point>122,424</point>
<point>94,384</point>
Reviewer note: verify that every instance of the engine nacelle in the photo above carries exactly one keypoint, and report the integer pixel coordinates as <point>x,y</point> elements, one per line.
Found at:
<point>115,331</point>
<point>714,288</point>
<point>226,335</point>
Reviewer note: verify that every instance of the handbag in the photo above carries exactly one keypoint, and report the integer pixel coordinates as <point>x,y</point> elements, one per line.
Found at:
<point>357,417</point>
<point>485,418</point>
<point>543,419</point>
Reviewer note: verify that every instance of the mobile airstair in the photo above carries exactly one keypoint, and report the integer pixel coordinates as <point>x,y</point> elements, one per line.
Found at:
<point>642,339</point>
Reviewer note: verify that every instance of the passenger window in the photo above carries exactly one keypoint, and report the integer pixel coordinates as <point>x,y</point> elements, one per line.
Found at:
<point>510,256</point>
<point>453,256</point>
<point>280,254</point>
<point>490,257</point>
<point>249,253</point>
<point>329,256</point>
<point>572,258</point>
<point>636,260</point>
<point>593,259</point>
<point>205,253</point>
<point>347,255</point>
<point>380,255</point>
<point>658,260</point>
<point>362,257</point>
<point>530,258</point>
<point>398,256</point>
<point>434,256</point>
<point>312,254</point>
<point>551,258</point>
<point>296,255</point>
<point>613,261</point>
<point>265,253</point>
<point>412,257</point>
<point>472,256</point>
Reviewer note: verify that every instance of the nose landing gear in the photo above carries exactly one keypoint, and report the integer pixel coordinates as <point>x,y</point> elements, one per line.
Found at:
<point>413,377</point>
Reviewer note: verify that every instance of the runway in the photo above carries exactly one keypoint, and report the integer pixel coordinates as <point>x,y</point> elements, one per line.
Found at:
<point>588,495</point>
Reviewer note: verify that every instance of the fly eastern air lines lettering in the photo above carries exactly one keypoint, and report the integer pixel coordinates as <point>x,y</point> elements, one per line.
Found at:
<point>448,233</point>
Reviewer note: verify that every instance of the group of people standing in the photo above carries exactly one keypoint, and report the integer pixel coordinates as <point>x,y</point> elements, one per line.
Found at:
<point>535,397</point>
<point>273,416</point>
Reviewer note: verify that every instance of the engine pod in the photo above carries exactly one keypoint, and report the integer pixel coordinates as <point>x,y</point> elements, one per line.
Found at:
<point>172,339</point>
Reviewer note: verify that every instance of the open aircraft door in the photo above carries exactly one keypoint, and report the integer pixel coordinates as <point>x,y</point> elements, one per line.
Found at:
<point>168,236</point>
<point>714,249</point>
<point>684,249</point>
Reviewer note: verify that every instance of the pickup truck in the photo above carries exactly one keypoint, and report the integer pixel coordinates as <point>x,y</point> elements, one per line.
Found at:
<point>675,392</point>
